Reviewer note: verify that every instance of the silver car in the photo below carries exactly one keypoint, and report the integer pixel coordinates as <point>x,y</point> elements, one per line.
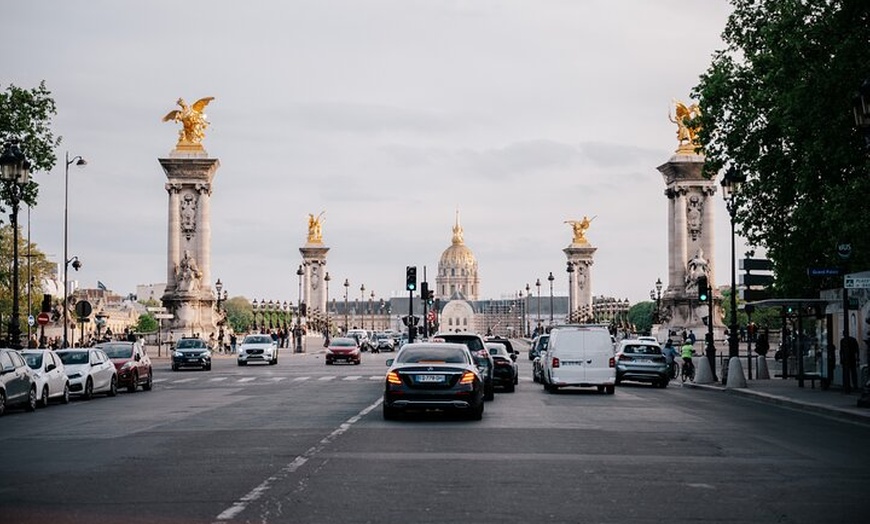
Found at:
<point>641,361</point>
<point>258,348</point>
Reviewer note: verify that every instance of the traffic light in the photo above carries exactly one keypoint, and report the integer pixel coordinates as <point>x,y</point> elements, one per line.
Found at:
<point>703,289</point>
<point>430,297</point>
<point>303,310</point>
<point>411,278</point>
<point>424,290</point>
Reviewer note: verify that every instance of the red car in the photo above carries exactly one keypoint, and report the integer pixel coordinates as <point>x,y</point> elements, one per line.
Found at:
<point>132,364</point>
<point>343,349</point>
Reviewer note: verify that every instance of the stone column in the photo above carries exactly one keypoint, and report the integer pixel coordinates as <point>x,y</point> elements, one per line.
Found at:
<point>314,269</point>
<point>581,256</point>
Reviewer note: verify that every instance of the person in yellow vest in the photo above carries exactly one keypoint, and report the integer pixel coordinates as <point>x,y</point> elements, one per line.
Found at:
<point>687,351</point>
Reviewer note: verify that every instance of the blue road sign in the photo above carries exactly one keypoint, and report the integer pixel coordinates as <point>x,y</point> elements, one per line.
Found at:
<point>823,271</point>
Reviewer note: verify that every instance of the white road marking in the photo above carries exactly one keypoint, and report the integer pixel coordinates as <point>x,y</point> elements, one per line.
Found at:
<point>299,379</point>
<point>328,377</point>
<point>352,377</point>
<point>278,379</point>
<point>247,379</point>
<point>217,379</point>
<point>183,380</point>
<point>240,505</point>
<point>376,377</point>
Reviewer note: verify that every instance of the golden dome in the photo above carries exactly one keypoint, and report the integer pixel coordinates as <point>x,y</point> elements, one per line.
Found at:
<point>458,255</point>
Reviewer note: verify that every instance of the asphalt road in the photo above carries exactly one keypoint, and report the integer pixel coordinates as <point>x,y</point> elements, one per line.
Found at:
<point>302,442</point>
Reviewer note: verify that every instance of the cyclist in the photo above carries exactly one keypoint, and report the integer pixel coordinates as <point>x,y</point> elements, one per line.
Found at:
<point>687,351</point>
<point>670,353</point>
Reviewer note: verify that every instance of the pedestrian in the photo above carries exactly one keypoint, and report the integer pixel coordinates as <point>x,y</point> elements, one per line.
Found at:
<point>233,341</point>
<point>691,337</point>
<point>849,362</point>
<point>670,353</point>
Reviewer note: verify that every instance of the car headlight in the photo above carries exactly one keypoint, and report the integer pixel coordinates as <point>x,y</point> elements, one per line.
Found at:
<point>127,365</point>
<point>178,354</point>
<point>328,351</point>
<point>205,354</point>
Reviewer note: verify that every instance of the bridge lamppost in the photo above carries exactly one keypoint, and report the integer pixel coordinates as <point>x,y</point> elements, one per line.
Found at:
<point>730,189</point>
<point>551,278</point>
<point>538,285</point>
<point>570,270</point>
<point>326,279</point>
<point>15,172</point>
<point>346,324</point>
<point>528,310</point>
<point>371,308</point>
<point>656,296</point>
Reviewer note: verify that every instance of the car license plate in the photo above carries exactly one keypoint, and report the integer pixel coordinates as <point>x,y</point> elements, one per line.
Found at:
<point>430,379</point>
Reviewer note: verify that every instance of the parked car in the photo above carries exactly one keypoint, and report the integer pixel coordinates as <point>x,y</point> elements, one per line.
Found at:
<point>48,370</point>
<point>89,371</point>
<point>641,361</point>
<point>539,344</point>
<point>191,352</point>
<point>481,356</point>
<point>132,364</point>
<point>429,375</point>
<point>504,373</point>
<point>17,383</point>
<point>344,349</point>
<point>579,356</point>
<point>258,348</point>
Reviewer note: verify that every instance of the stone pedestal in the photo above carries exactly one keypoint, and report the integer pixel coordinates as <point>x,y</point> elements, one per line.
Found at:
<point>189,295</point>
<point>580,281</point>
<point>314,268</point>
<point>690,246</point>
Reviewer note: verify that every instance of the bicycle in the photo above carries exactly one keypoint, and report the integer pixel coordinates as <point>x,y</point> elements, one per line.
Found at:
<point>687,372</point>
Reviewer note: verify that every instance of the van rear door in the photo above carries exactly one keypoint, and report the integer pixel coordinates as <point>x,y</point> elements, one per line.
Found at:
<point>599,357</point>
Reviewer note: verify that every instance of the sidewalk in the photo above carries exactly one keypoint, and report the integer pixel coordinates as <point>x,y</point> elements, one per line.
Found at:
<point>785,392</point>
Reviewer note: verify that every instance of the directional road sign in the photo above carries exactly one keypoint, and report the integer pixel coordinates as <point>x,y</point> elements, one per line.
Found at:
<point>160,316</point>
<point>856,282</point>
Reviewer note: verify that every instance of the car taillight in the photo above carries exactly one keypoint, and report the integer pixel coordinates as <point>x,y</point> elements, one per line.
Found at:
<point>393,378</point>
<point>555,362</point>
<point>467,378</point>
<point>624,357</point>
<point>612,362</point>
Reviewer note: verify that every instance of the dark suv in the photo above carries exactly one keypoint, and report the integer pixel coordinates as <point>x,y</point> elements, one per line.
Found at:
<point>481,356</point>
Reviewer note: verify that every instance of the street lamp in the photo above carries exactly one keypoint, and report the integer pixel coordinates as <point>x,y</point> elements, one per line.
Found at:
<point>371,308</point>
<point>299,273</point>
<point>361,308</point>
<point>220,287</point>
<point>861,109</point>
<point>79,162</point>
<point>326,279</point>
<point>254,311</point>
<point>551,278</point>
<point>730,189</point>
<point>15,171</point>
<point>528,302</point>
<point>570,270</point>
<point>538,284</point>
<point>346,286</point>
<point>656,296</point>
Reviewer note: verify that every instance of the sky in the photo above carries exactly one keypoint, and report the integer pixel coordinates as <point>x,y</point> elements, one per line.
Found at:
<point>386,115</point>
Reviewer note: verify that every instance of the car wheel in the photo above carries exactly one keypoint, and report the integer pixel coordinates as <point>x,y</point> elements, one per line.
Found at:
<point>149,383</point>
<point>488,392</point>
<point>510,388</point>
<point>88,393</point>
<point>133,383</point>
<point>2,403</point>
<point>43,400</point>
<point>328,362</point>
<point>242,363</point>
<point>390,413</point>
<point>32,400</point>
<point>113,386</point>
<point>476,413</point>
<point>609,390</point>
<point>174,366</point>
<point>358,362</point>
<point>273,361</point>
<point>663,383</point>
<point>207,367</point>
<point>65,398</point>
<point>600,389</point>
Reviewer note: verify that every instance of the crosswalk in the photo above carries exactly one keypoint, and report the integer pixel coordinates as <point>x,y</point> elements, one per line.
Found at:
<point>245,381</point>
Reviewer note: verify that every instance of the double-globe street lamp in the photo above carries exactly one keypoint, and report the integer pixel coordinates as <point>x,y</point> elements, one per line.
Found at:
<point>538,285</point>
<point>570,270</point>
<point>76,263</point>
<point>15,172</point>
<point>551,278</point>
<point>528,305</point>
<point>730,189</point>
<point>326,279</point>
<point>656,296</point>
<point>346,286</point>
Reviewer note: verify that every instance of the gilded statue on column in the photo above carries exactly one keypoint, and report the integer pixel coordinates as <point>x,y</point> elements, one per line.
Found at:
<point>315,228</point>
<point>580,227</point>
<point>193,122</point>
<point>687,127</point>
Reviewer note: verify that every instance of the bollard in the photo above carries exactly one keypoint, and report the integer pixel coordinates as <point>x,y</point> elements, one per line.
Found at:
<point>736,379</point>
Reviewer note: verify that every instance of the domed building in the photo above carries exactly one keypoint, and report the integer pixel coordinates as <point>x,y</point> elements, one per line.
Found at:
<point>457,270</point>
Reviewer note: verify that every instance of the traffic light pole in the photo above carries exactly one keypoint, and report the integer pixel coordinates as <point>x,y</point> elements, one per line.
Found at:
<point>711,348</point>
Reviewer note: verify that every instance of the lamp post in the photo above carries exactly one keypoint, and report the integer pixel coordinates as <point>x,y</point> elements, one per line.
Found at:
<point>570,270</point>
<point>861,108</point>
<point>219,287</point>
<point>528,302</point>
<point>538,285</point>
<point>79,162</point>
<point>254,311</point>
<point>299,273</point>
<point>551,278</point>
<point>656,296</point>
<point>361,308</point>
<point>15,171</point>
<point>326,279</point>
<point>730,189</point>
<point>346,286</point>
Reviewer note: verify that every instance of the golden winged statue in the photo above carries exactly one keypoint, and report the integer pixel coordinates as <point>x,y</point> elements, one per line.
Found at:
<point>192,120</point>
<point>687,126</point>
<point>315,228</point>
<point>580,227</point>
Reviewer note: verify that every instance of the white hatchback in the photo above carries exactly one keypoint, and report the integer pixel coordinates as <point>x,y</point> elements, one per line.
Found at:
<point>89,371</point>
<point>51,379</point>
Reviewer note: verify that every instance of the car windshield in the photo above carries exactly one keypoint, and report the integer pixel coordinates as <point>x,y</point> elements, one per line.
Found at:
<point>473,343</point>
<point>496,350</point>
<point>429,355</point>
<point>542,343</point>
<point>118,350</point>
<point>343,342</point>
<point>34,360</point>
<point>259,339</point>
<point>642,349</point>
<point>73,357</point>
<point>190,343</point>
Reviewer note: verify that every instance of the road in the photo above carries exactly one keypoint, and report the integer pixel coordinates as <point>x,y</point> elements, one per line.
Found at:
<point>302,442</point>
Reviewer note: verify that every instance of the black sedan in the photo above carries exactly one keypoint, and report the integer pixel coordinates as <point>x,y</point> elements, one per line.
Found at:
<point>504,371</point>
<point>433,376</point>
<point>191,352</point>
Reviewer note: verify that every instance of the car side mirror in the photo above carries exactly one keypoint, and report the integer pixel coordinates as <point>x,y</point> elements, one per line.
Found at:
<point>514,357</point>
<point>50,367</point>
<point>389,362</point>
<point>138,357</point>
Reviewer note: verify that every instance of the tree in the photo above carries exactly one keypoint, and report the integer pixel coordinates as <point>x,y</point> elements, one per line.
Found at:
<point>40,270</point>
<point>640,316</point>
<point>777,109</point>
<point>25,116</point>
<point>147,324</point>
<point>239,313</point>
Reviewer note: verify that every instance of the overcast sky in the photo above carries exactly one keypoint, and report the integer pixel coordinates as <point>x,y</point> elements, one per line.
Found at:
<point>389,115</point>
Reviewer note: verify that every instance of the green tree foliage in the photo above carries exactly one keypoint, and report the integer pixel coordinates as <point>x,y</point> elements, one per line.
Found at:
<point>40,270</point>
<point>25,116</point>
<point>777,105</point>
<point>640,316</point>
<point>239,313</point>
<point>147,324</point>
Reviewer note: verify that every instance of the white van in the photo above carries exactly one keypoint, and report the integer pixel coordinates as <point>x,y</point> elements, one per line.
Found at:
<point>579,356</point>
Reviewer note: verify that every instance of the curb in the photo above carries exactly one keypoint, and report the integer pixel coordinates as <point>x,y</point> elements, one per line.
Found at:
<point>810,407</point>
